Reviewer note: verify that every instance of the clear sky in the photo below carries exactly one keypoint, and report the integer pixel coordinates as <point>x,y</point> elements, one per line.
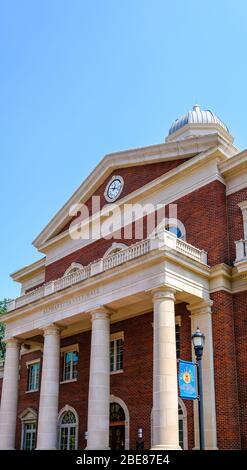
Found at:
<point>82,78</point>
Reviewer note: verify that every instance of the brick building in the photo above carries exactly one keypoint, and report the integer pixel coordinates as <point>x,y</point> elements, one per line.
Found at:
<point>93,340</point>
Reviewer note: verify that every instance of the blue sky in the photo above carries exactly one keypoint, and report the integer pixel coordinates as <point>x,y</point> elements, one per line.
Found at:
<point>82,78</point>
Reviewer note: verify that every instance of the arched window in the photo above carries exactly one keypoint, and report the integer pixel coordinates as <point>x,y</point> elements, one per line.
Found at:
<point>73,268</point>
<point>175,230</point>
<point>182,425</point>
<point>119,424</point>
<point>68,429</point>
<point>173,225</point>
<point>114,248</point>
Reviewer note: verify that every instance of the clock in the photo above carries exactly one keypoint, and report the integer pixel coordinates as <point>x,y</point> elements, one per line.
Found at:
<point>114,188</point>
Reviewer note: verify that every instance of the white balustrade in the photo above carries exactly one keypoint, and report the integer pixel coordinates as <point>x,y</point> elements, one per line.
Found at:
<point>134,251</point>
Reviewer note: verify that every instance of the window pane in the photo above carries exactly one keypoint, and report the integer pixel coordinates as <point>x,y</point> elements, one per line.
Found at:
<point>64,438</point>
<point>75,363</point>
<point>119,361</point>
<point>116,355</point>
<point>68,418</point>
<point>112,356</point>
<point>33,376</point>
<point>181,432</point>
<point>72,438</point>
<point>70,365</point>
<point>29,436</point>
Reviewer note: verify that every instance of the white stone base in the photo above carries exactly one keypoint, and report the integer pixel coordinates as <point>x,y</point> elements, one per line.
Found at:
<point>165,447</point>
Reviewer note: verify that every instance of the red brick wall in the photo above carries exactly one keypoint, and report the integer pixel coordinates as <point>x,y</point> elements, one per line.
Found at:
<point>135,177</point>
<point>133,386</point>
<point>240,310</point>
<point>235,220</point>
<point>226,383</point>
<point>203,213</point>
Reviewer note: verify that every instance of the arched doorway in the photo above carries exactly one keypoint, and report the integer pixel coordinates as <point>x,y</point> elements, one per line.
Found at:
<point>117,427</point>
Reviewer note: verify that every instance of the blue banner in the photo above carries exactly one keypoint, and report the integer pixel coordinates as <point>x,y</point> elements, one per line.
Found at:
<point>187,380</point>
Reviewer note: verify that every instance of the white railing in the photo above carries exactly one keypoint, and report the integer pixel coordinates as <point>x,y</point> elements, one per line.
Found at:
<point>70,279</point>
<point>134,251</point>
<point>169,241</point>
<point>241,250</point>
<point>191,251</point>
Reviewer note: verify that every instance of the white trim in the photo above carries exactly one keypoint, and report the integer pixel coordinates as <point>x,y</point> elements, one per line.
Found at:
<point>113,178</point>
<point>60,414</point>
<point>70,348</point>
<point>114,337</point>
<point>113,247</point>
<point>28,363</point>
<point>72,267</point>
<point>185,423</point>
<point>114,372</point>
<point>67,381</point>
<point>119,401</point>
<point>118,335</point>
<point>31,419</point>
<point>178,320</point>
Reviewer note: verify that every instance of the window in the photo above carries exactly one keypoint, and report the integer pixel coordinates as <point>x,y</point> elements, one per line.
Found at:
<point>182,425</point>
<point>33,376</point>
<point>116,352</point>
<point>29,437</point>
<point>28,428</point>
<point>73,269</point>
<point>68,425</point>
<point>175,230</point>
<point>70,363</point>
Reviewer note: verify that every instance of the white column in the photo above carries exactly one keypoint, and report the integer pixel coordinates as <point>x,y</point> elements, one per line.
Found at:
<point>99,381</point>
<point>49,392</point>
<point>165,389</point>
<point>9,398</point>
<point>201,316</point>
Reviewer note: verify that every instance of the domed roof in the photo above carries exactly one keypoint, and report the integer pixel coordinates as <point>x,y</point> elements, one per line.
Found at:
<point>194,117</point>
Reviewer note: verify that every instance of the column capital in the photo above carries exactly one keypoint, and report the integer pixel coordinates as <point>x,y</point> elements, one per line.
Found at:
<point>200,308</point>
<point>51,329</point>
<point>99,313</point>
<point>12,342</point>
<point>163,293</point>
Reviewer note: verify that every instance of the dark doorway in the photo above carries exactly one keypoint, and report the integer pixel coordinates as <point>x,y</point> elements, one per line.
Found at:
<point>117,427</point>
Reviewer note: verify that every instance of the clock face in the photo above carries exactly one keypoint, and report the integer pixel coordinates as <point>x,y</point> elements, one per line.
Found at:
<point>114,188</point>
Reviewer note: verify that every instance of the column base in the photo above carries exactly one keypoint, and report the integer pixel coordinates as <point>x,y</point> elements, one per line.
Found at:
<point>166,447</point>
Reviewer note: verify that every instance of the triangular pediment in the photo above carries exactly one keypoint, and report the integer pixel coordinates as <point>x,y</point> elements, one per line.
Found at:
<point>167,152</point>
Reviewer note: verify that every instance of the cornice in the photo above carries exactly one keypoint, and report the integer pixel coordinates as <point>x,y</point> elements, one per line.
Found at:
<point>234,165</point>
<point>28,270</point>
